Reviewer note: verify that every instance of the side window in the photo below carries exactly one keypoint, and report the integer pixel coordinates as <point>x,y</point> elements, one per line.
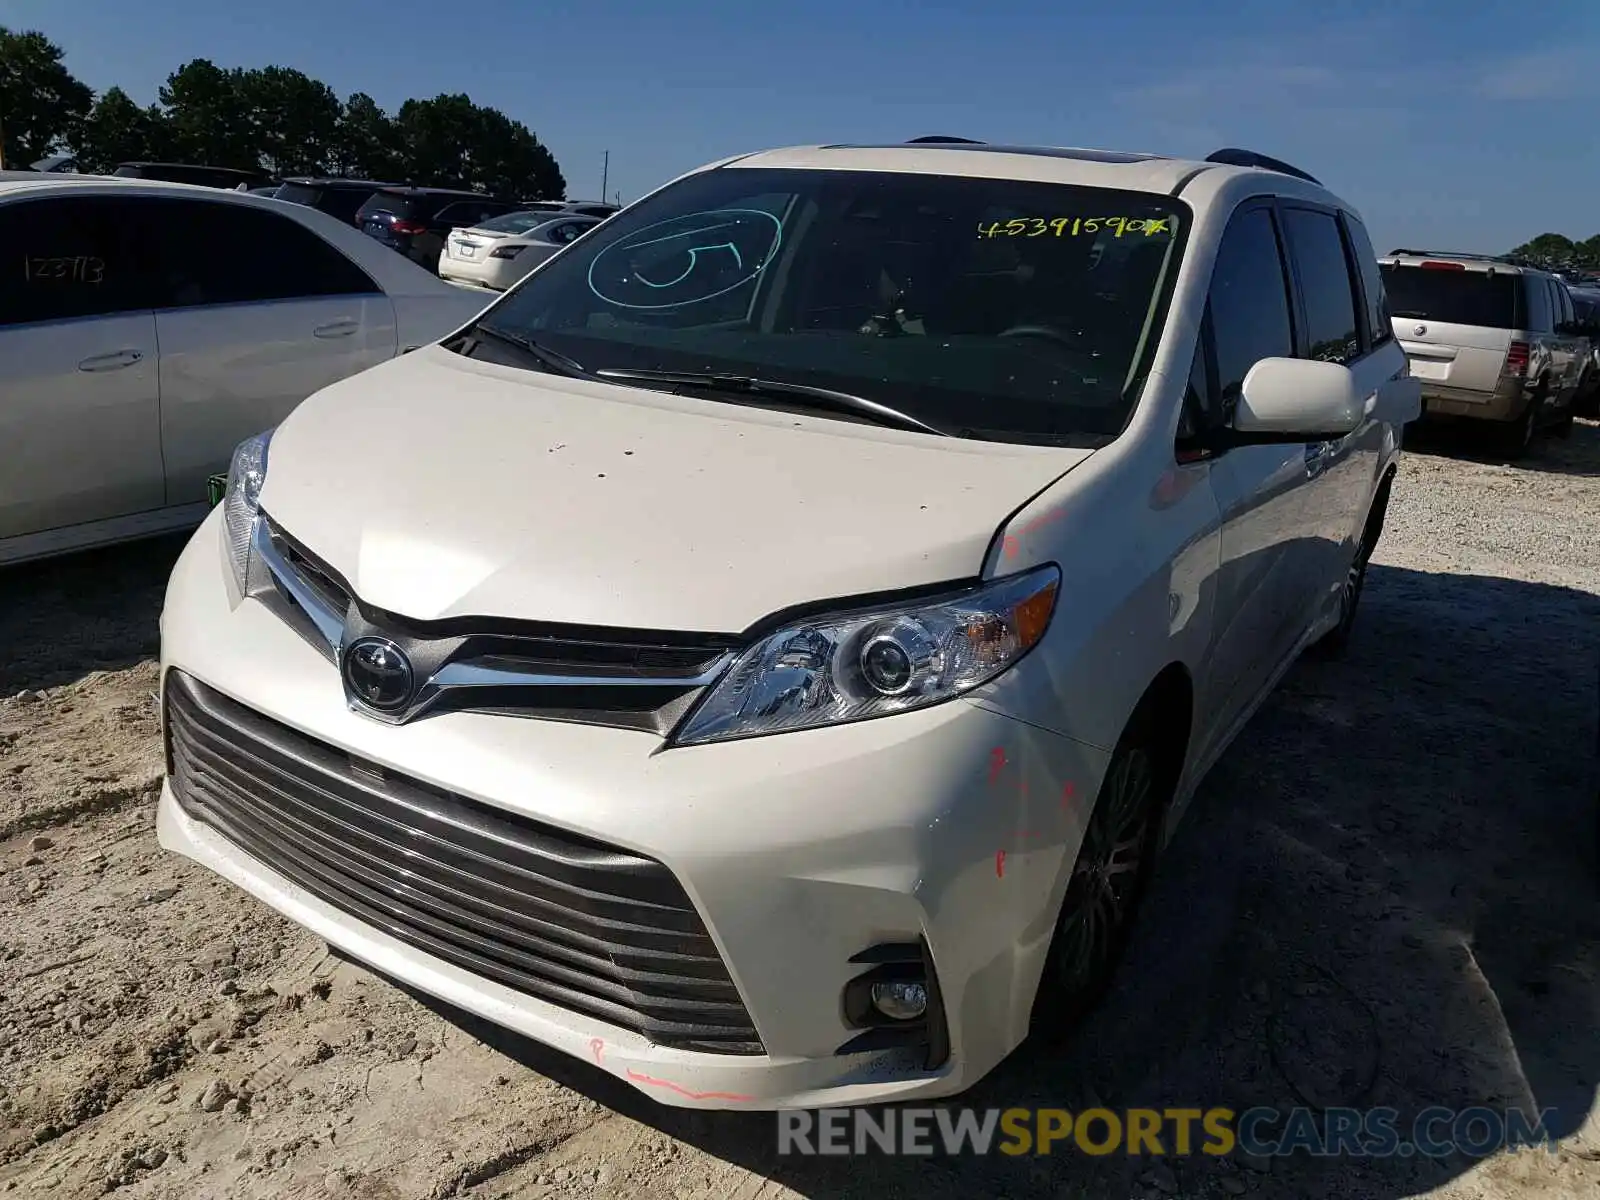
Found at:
<point>1380,322</point>
<point>1199,412</point>
<point>258,256</point>
<point>1564,298</point>
<point>1325,284</point>
<point>67,258</point>
<point>1540,316</point>
<point>1249,304</point>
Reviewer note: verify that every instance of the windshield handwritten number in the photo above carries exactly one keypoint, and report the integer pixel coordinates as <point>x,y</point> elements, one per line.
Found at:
<point>81,268</point>
<point>1073,226</point>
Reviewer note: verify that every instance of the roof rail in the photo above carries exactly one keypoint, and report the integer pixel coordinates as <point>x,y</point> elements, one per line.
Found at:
<point>1233,157</point>
<point>937,138</point>
<point>1511,260</point>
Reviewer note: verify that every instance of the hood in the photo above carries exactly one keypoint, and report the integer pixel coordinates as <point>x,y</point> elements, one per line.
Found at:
<point>441,487</point>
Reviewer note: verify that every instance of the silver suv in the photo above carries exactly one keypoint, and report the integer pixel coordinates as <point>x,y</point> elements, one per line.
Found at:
<point>1490,339</point>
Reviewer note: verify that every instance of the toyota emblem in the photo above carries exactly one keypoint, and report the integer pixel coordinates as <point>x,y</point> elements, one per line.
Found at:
<point>378,673</point>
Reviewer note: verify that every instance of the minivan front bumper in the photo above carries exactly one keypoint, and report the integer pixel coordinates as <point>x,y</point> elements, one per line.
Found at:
<point>951,828</point>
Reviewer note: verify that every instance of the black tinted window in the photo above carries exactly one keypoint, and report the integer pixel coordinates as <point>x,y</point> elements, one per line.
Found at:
<point>1380,328</point>
<point>1453,295</point>
<point>1563,300</point>
<point>300,193</point>
<point>248,255</point>
<point>67,258</point>
<point>1249,302</point>
<point>410,208</point>
<point>1325,285</point>
<point>1541,316</point>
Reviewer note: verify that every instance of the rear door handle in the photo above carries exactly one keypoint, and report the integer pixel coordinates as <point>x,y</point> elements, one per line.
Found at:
<point>343,327</point>
<point>114,361</point>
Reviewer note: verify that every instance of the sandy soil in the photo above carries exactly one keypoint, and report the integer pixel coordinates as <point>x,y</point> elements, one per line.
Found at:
<point>1385,894</point>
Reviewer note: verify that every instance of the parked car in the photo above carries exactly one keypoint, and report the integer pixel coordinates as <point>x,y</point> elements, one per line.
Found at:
<point>1490,339</point>
<point>201,176</point>
<point>131,363</point>
<point>416,220</point>
<point>584,208</point>
<point>744,643</point>
<point>498,259</point>
<point>271,190</point>
<point>338,197</point>
<point>1586,306</point>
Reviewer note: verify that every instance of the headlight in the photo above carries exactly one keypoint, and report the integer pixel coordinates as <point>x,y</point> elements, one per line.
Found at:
<point>852,666</point>
<point>246,473</point>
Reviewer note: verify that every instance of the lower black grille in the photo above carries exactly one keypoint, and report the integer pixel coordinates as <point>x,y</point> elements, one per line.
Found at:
<point>590,927</point>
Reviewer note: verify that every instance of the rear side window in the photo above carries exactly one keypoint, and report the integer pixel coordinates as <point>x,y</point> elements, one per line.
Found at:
<point>407,207</point>
<point>1563,300</point>
<point>1380,326</point>
<point>1326,288</point>
<point>250,256</point>
<point>1454,296</point>
<point>300,193</point>
<point>1541,315</point>
<point>68,258</point>
<point>342,202</point>
<point>1249,304</point>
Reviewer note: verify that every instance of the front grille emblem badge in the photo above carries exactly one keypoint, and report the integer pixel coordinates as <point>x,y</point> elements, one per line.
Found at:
<point>379,674</point>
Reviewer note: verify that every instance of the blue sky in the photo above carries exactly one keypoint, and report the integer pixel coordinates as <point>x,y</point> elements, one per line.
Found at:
<point>1451,124</point>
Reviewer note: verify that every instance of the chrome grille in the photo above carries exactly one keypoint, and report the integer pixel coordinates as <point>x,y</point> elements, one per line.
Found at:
<point>590,927</point>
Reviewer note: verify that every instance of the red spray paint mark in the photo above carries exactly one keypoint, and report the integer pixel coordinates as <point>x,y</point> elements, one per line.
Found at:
<point>1000,864</point>
<point>1011,545</point>
<point>636,1077</point>
<point>1068,791</point>
<point>997,763</point>
<point>597,1047</point>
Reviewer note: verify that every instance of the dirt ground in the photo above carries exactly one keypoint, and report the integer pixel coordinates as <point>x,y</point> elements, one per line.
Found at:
<point>1385,895</point>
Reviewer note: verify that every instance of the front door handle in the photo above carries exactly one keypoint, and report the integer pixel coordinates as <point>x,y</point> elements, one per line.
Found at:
<point>114,361</point>
<point>343,327</point>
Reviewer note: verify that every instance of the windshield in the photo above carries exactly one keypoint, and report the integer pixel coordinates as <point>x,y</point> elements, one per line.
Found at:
<point>996,308</point>
<point>1454,297</point>
<point>517,222</point>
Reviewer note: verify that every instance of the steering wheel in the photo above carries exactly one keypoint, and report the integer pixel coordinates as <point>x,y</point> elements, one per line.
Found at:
<point>1048,332</point>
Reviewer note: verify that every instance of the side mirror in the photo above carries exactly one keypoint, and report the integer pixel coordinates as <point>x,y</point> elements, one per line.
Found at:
<point>1298,400</point>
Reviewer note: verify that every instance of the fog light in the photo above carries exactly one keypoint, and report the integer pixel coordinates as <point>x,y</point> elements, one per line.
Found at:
<point>900,1001</point>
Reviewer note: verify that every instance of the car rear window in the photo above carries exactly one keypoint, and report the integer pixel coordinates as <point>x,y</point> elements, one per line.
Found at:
<point>411,208</point>
<point>1455,297</point>
<point>300,193</point>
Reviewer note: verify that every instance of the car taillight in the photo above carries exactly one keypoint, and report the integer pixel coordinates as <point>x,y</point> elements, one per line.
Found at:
<point>506,251</point>
<point>401,226</point>
<point>1517,359</point>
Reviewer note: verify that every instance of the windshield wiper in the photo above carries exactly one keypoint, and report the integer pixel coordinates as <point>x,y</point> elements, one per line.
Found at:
<point>551,360</point>
<point>820,397</point>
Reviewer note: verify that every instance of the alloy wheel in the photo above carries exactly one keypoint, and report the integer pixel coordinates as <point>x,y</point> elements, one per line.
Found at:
<point>1104,888</point>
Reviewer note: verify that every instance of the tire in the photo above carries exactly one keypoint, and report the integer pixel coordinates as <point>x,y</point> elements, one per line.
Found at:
<point>1563,427</point>
<point>1516,439</point>
<point>1108,883</point>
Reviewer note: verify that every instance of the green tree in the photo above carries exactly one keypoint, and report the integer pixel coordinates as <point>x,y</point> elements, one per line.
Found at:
<point>450,141</point>
<point>1548,249</point>
<point>367,144</point>
<point>209,116</point>
<point>295,119</point>
<point>41,102</point>
<point>1588,253</point>
<point>117,130</point>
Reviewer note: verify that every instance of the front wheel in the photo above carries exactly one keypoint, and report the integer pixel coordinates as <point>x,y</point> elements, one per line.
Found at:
<point>1108,882</point>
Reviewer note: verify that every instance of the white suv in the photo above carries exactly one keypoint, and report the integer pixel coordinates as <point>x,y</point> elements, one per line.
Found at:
<point>763,654</point>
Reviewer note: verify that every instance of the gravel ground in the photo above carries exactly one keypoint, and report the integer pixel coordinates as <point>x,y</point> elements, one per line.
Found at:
<point>1384,895</point>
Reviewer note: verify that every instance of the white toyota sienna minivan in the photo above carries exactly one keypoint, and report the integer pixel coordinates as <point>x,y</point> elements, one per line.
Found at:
<point>763,653</point>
